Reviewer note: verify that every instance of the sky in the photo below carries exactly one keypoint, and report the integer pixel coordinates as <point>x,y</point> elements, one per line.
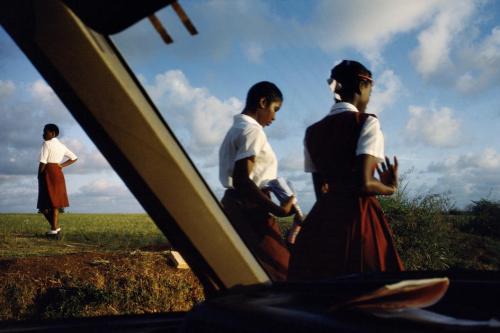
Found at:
<point>436,66</point>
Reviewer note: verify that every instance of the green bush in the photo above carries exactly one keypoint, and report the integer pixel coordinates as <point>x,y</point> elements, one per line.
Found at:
<point>485,218</point>
<point>420,229</point>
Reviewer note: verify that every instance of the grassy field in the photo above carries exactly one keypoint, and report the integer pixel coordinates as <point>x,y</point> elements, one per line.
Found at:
<point>23,235</point>
<point>103,265</point>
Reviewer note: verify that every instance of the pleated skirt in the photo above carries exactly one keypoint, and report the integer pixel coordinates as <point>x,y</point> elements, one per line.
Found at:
<point>261,233</point>
<point>344,233</point>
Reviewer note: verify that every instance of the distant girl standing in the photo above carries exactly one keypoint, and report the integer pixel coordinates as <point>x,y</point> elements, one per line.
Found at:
<point>51,184</point>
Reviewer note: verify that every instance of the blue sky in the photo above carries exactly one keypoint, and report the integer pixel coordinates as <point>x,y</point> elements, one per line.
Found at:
<point>436,66</point>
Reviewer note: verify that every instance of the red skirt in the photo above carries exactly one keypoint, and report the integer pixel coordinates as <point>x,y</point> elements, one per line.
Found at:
<point>52,188</point>
<point>344,233</point>
<point>261,233</point>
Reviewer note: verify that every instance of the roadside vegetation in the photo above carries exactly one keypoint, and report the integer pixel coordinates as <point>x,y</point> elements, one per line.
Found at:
<point>431,234</point>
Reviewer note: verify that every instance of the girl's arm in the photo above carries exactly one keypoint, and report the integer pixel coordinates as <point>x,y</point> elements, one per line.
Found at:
<point>370,185</point>
<point>243,183</point>
<point>41,168</point>
<point>67,162</point>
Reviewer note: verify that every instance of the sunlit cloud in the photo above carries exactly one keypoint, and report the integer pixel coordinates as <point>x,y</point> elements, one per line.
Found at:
<point>432,53</point>
<point>480,64</point>
<point>486,160</point>
<point>470,176</point>
<point>436,128</point>
<point>367,26</point>
<point>18,193</point>
<point>385,93</point>
<point>104,195</point>
<point>199,118</point>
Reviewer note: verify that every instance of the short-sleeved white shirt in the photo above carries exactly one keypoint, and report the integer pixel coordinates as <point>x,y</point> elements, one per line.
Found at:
<point>244,139</point>
<point>53,151</point>
<point>370,142</point>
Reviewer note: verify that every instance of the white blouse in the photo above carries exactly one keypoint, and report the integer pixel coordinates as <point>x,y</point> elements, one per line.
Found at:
<point>370,142</point>
<point>244,139</point>
<point>53,151</point>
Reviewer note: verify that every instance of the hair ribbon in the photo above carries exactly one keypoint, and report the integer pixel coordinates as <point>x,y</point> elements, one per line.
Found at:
<point>334,84</point>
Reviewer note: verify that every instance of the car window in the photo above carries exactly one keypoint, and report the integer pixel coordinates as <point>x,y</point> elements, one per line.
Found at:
<point>108,258</point>
<point>433,88</point>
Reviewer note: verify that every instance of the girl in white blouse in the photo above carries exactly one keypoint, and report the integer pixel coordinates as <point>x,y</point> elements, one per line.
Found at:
<point>51,184</point>
<point>246,163</point>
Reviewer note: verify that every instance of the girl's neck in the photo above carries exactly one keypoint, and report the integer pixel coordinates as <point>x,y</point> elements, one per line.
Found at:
<point>355,101</point>
<point>249,113</point>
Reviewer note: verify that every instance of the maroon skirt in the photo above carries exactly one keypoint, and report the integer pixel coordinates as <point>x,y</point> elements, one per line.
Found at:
<point>344,233</point>
<point>52,188</point>
<point>260,231</point>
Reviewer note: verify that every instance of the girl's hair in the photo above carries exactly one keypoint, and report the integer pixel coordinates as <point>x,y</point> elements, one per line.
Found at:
<point>349,74</point>
<point>51,128</point>
<point>265,89</point>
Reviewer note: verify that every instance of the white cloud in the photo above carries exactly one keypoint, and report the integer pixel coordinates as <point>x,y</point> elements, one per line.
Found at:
<point>487,160</point>
<point>367,26</point>
<point>455,52</point>
<point>253,51</point>
<point>90,160</point>
<point>102,188</point>
<point>104,196</point>
<point>293,162</point>
<point>437,128</point>
<point>43,92</point>
<point>469,176</point>
<point>7,88</point>
<point>490,48</point>
<point>23,112</point>
<point>18,193</point>
<point>446,51</point>
<point>480,64</point>
<point>435,42</point>
<point>47,104</point>
<point>192,110</point>
<point>385,92</point>
<point>24,109</point>
<point>466,82</point>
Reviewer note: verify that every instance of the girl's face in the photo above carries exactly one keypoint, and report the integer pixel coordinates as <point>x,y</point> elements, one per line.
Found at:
<point>47,135</point>
<point>366,91</point>
<point>267,111</point>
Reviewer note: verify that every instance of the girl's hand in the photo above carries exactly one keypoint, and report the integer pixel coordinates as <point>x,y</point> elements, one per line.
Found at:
<point>287,207</point>
<point>389,173</point>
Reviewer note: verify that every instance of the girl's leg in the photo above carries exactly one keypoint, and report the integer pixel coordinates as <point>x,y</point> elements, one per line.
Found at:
<point>55,218</point>
<point>47,214</point>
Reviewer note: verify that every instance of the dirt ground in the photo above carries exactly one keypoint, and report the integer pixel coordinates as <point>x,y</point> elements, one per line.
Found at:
<point>94,284</point>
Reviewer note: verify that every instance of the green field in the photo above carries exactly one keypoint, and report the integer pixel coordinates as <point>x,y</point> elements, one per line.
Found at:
<point>23,235</point>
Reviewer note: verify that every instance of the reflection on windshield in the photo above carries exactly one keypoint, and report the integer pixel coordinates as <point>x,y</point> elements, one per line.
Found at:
<point>429,100</point>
